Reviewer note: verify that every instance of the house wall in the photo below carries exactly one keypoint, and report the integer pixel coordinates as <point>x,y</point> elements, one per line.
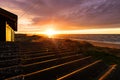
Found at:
<point>9,33</point>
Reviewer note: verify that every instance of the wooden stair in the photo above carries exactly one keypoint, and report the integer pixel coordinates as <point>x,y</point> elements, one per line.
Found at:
<point>38,61</point>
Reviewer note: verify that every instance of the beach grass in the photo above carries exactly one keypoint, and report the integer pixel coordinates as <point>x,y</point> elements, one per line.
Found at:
<point>108,55</point>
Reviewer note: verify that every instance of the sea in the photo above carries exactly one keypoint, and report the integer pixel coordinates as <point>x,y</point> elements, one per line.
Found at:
<point>105,38</point>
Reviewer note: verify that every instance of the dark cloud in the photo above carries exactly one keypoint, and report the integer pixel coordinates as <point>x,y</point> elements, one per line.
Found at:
<point>89,13</point>
<point>94,13</point>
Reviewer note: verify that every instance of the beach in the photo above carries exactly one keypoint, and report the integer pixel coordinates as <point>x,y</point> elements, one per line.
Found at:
<point>101,44</point>
<point>102,40</point>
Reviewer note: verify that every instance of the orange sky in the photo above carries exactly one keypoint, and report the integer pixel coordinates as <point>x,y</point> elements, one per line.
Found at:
<point>66,16</point>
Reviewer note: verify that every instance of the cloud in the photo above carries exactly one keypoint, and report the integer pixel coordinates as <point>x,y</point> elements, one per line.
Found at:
<point>72,14</point>
<point>93,13</point>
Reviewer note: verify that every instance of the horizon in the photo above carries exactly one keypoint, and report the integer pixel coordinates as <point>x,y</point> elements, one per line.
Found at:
<point>66,16</point>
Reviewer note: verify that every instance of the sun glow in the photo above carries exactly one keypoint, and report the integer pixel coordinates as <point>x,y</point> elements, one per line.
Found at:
<point>50,32</point>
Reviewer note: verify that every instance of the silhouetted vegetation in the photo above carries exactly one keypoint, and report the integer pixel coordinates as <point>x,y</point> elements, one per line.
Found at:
<point>109,55</point>
<point>27,38</point>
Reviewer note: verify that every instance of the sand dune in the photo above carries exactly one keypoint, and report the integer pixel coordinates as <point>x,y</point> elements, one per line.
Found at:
<point>102,44</point>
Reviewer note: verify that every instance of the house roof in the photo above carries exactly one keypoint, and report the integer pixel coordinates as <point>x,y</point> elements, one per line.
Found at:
<point>10,18</point>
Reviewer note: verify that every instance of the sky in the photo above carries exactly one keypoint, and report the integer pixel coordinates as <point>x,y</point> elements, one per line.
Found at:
<point>66,16</point>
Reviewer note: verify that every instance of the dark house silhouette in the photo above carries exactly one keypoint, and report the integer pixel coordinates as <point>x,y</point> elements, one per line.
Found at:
<point>8,24</point>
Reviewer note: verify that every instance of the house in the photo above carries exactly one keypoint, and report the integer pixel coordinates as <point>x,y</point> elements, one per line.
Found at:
<point>8,25</point>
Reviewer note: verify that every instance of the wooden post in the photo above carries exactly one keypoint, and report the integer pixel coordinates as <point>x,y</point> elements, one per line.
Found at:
<point>2,28</point>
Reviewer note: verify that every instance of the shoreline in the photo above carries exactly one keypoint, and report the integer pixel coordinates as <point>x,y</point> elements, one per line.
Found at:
<point>101,44</point>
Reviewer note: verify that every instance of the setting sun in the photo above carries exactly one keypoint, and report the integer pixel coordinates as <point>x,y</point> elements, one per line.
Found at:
<point>50,32</point>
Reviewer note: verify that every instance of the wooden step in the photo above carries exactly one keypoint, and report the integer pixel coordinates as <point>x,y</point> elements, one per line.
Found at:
<point>89,72</point>
<point>113,73</point>
<point>3,58</point>
<point>11,62</point>
<point>42,58</point>
<point>54,72</point>
<point>10,71</point>
<point>49,63</point>
<point>42,54</point>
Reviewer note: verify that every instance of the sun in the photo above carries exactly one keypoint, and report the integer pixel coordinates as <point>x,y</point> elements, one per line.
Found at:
<point>50,33</point>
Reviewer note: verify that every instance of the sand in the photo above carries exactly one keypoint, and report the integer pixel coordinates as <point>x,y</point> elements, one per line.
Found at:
<point>109,45</point>
<point>101,44</point>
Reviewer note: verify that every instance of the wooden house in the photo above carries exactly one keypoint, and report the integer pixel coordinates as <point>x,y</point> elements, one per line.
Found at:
<point>8,25</point>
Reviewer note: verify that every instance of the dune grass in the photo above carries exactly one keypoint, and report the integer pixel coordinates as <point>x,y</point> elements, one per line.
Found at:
<point>105,54</point>
<point>108,55</point>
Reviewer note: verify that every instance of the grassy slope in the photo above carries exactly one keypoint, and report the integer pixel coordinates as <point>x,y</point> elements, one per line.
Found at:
<point>106,54</point>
